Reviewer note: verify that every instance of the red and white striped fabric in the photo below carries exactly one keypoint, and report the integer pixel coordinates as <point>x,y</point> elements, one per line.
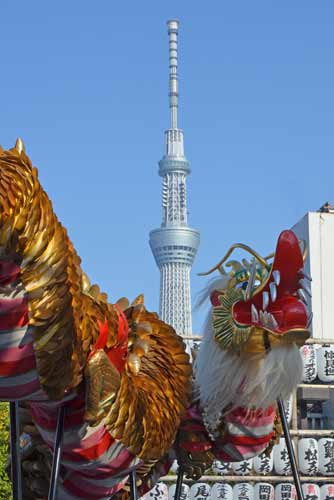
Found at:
<point>18,374</point>
<point>95,464</point>
<point>247,434</point>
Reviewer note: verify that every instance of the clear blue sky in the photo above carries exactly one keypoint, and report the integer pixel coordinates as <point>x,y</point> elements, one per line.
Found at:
<point>85,85</point>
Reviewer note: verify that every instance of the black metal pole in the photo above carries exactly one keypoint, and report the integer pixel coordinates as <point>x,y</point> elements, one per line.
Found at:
<point>15,450</point>
<point>291,452</point>
<point>178,488</point>
<point>133,485</point>
<point>57,454</point>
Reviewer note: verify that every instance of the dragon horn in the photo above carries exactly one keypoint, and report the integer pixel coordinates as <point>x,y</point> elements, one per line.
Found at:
<point>19,145</point>
<point>218,267</point>
<point>251,280</point>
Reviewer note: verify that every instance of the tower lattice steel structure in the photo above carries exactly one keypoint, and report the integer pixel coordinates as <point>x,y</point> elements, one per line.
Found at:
<point>174,245</point>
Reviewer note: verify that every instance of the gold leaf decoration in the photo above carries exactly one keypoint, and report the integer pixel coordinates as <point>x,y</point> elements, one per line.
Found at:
<point>102,384</point>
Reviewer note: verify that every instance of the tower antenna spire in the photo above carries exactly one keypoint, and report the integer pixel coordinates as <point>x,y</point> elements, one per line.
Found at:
<point>174,244</point>
<point>173,28</point>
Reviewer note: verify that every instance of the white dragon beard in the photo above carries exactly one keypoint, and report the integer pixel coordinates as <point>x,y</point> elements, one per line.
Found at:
<point>226,380</point>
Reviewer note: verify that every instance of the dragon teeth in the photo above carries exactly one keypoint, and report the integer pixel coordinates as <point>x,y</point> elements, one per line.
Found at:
<point>302,273</point>
<point>255,314</point>
<point>268,321</point>
<point>302,295</point>
<point>265,300</point>
<point>306,287</point>
<point>273,291</point>
<point>273,322</point>
<point>277,277</point>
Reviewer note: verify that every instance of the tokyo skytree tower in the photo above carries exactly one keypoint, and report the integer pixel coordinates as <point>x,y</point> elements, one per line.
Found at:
<point>175,244</point>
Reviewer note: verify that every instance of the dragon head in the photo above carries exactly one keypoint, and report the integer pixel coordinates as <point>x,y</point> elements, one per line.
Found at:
<point>263,305</point>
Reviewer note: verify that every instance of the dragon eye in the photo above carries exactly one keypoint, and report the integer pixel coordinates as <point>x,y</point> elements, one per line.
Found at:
<point>242,285</point>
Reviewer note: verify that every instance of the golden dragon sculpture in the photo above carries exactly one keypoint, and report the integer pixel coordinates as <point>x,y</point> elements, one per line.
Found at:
<point>122,374</point>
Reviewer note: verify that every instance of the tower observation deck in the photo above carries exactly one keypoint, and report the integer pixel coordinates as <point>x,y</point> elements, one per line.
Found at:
<point>175,244</point>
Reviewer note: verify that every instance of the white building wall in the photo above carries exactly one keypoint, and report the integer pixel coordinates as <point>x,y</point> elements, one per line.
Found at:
<point>317,229</point>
